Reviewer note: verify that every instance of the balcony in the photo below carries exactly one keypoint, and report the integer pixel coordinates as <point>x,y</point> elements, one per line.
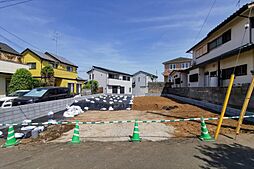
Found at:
<point>118,82</point>
<point>65,74</point>
<point>10,67</point>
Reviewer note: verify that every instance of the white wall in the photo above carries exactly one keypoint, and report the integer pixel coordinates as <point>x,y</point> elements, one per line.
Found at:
<point>101,77</point>
<point>10,67</point>
<point>141,87</point>
<point>237,31</point>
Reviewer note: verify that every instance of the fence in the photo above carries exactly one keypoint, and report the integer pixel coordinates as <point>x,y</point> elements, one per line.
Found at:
<point>36,110</point>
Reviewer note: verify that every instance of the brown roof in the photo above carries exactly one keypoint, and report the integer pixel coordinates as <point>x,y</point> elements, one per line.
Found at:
<point>6,48</point>
<point>178,60</point>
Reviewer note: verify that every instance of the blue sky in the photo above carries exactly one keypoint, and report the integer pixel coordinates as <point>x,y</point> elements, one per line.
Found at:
<point>124,35</point>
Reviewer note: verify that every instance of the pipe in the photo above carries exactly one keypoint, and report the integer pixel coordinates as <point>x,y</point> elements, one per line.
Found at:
<point>224,108</point>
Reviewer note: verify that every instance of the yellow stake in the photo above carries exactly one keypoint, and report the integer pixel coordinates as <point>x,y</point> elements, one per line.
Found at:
<point>245,105</point>
<point>224,108</point>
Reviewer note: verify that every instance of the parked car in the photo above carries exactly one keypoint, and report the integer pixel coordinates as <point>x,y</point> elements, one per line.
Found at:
<point>42,94</point>
<point>6,102</point>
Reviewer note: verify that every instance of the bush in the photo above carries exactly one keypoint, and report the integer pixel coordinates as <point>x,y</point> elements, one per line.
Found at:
<point>21,80</point>
<point>93,85</point>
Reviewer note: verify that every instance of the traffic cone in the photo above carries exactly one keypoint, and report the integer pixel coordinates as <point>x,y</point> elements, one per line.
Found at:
<point>75,138</point>
<point>11,140</point>
<point>205,136</point>
<point>135,137</point>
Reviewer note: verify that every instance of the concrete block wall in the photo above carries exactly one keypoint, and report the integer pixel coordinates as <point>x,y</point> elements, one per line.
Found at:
<point>32,111</point>
<point>217,108</point>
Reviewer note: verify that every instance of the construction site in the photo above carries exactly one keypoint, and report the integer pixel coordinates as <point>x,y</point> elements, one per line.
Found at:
<point>160,124</point>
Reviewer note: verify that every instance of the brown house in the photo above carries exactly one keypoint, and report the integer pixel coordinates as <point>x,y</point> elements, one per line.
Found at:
<point>180,63</point>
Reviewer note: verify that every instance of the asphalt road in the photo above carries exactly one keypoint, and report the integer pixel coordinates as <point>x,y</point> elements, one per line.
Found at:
<point>183,153</point>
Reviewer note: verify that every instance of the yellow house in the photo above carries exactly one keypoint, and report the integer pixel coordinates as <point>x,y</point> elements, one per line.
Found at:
<point>65,72</point>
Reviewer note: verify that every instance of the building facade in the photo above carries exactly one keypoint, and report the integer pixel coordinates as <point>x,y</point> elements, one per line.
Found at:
<point>111,82</point>
<point>140,82</point>
<point>227,49</point>
<point>10,61</point>
<point>180,63</point>
<point>65,72</point>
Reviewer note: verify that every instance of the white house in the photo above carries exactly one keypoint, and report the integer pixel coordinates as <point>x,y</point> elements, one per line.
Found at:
<point>226,49</point>
<point>10,61</point>
<point>111,81</point>
<point>140,82</point>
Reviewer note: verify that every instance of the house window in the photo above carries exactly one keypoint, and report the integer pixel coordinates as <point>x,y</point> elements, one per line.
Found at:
<point>90,77</point>
<point>69,69</point>
<point>239,71</point>
<point>174,66</point>
<point>187,65</point>
<point>182,65</point>
<point>124,78</point>
<point>213,74</point>
<point>193,78</point>
<point>225,37</point>
<point>129,89</point>
<point>138,79</point>
<point>171,66</point>
<point>32,65</point>
<point>128,78</point>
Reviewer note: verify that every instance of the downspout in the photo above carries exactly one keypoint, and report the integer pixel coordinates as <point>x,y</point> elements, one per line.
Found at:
<point>250,30</point>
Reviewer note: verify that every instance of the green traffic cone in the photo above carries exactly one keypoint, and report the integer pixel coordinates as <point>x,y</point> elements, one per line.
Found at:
<point>75,138</point>
<point>11,140</point>
<point>205,136</point>
<point>135,137</point>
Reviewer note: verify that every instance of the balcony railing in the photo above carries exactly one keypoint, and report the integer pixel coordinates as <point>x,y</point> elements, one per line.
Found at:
<point>10,67</point>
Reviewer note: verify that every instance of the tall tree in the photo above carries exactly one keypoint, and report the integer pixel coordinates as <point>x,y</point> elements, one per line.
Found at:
<point>47,73</point>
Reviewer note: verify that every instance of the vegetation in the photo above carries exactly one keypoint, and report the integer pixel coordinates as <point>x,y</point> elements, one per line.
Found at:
<point>93,85</point>
<point>47,73</point>
<point>22,80</point>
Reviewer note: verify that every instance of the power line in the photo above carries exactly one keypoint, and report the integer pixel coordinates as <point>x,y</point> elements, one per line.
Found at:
<point>16,36</point>
<point>6,6</point>
<point>208,14</point>
<point>7,1</point>
<point>10,41</point>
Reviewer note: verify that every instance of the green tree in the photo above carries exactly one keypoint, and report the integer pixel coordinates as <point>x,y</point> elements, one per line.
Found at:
<point>21,80</point>
<point>93,85</point>
<point>47,73</point>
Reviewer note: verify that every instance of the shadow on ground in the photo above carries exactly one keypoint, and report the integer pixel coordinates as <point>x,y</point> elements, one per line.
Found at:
<point>230,156</point>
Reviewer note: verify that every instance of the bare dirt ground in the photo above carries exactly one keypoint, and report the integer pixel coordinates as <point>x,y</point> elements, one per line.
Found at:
<point>170,109</point>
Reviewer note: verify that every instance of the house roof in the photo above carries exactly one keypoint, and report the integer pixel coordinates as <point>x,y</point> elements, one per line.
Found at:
<point>178,60</point>
<point>6,48</point>
<point>60,59</point>
<point>41,55</point>
<point>229,19</point>
<point>235,51</point>
<point>146,73</point>
<point>108,70</point>
<point>81,79</point>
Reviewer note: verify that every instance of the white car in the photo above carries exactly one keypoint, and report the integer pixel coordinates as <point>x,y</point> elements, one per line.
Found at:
<point>6,102</point>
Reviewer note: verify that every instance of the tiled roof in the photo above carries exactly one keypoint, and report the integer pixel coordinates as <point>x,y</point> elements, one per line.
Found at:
<point>6,48</point>
<point>146,73</point>
<point>108,70</point>
<point>40,55</point>
<point>178,60</point>
<point>60,59</point>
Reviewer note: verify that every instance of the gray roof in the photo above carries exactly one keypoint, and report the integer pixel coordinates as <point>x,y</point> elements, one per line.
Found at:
<point>108,70</point>
<point>6,48</point>
<point>178,60</point>
<point>40,55</point>
<point>60,59</point>
<point>146,73</point>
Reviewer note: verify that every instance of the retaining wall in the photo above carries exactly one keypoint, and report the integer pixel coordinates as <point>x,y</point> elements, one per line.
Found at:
<point>157,87</point>
<point>214,95</point>
<point>33,111</point>
<point>214,107</point>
